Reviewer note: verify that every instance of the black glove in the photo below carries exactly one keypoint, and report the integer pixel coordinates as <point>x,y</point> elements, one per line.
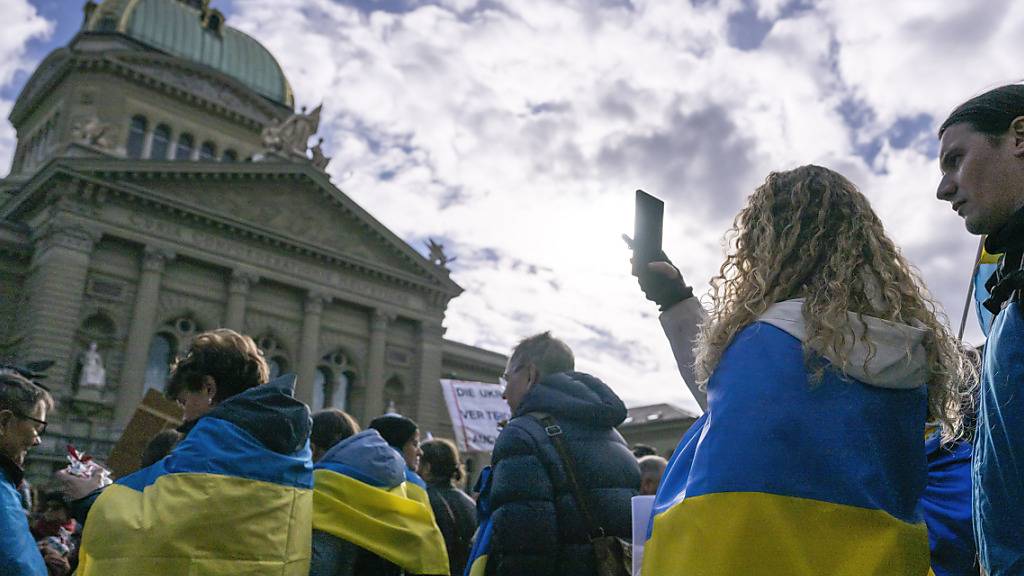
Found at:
<point>663,291</point>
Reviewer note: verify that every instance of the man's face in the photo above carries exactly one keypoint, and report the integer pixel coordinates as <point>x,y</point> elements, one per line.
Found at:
<point>19,432</point>
<point>983,181</point>
<point>518,380</point>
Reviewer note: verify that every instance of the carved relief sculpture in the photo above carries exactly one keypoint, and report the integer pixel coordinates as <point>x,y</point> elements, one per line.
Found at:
<point>93,374</point>
<point>92,132</point>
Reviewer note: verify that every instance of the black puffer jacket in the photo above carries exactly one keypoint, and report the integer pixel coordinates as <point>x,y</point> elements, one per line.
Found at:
<point>537,527</point>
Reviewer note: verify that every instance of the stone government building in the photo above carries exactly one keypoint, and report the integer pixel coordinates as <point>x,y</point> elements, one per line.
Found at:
<point>162,185</point>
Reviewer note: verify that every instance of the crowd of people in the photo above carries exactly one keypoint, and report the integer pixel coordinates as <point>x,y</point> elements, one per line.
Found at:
<point>845,431</point>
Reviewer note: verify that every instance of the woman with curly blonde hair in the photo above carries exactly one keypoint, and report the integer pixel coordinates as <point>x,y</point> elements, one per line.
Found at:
<point>822,357</point>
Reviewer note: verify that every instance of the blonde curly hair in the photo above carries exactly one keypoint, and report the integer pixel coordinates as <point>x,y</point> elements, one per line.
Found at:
<point>809,233</point>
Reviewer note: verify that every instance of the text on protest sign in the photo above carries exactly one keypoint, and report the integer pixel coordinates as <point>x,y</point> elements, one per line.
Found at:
<point>476,408</point>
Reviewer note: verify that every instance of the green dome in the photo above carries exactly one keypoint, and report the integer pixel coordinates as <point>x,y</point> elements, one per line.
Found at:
<point>179,29</point>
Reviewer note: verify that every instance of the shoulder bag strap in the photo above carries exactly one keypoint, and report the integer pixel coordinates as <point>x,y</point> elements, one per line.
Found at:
<point>554,433</point>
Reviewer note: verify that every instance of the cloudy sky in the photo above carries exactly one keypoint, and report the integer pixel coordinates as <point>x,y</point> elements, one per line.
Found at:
<point>515,131</point>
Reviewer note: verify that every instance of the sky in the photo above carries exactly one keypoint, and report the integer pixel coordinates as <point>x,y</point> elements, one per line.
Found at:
<point>515,132</point>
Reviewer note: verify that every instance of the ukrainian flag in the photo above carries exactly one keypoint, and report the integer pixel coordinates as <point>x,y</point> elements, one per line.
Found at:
<point>222,503</point>
<point>782,476</point>
<point>477,564</point>
<point>987,266</point>
<point>396,524</point>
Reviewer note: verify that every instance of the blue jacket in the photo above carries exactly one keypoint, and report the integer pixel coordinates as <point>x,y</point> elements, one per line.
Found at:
<point>536,527</point>
<point>998,471</point>
<point>19,555</point>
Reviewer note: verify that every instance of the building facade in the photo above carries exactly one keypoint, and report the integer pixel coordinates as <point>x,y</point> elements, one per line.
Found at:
<point>162,186</point>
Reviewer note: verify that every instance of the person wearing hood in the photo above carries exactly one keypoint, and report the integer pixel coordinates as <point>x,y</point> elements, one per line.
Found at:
<point>234,496</point>
<point>535,525</point>
<point>365,522</point>
<point>818,367</point>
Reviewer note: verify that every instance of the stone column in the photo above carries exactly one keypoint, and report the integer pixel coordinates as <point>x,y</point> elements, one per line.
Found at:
<point>431,412</point>
<point>238,293</point>
<point>309,352</point>
<point>54,291</point>
<point>374,406</point>
<point>140,332</point>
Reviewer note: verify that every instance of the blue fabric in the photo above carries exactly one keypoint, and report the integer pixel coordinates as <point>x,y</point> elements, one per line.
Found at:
<point>838,440</point>
<point>415,478</point>
<point>367,457</point>
<point>19,555</point>
<point>946,505</point>
<point>672,488</point>
<point>536,527</point>
<point>981,275</point>
<point>485,529</point>
<point>260,434</point>
<point>999,448</point>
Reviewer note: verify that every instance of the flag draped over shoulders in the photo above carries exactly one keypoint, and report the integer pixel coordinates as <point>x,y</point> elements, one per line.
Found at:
<point>234,497</point>
<point>386,518</point>
<point>785,476</point>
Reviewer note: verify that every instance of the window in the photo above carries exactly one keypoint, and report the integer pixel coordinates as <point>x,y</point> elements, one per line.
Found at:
<point>275,355</point>
<point>208,152</point>
<point>334,376</point>
<point>161,142</point>
<point>184,149</point>
<point>229,156</point>
<point>158,366</point>
<point>136,136</point>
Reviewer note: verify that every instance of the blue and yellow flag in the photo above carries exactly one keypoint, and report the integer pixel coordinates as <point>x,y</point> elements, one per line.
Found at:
<point>222,503</point>
<point>395,524</point>
<point>782,476</point>
<point>946,505</point>
<point>987,266</point>
<point>477,563</point>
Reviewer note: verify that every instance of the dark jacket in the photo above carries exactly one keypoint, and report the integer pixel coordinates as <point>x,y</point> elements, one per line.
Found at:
<point>537,529</point>
<point>455,514</point>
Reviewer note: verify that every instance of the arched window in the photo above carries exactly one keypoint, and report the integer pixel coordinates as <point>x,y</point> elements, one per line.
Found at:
<point>275,355</point>
<point>229,156</point>
<point>137,136</point>
<point>161,142</point>
<point>208,152</point>
<point>333,381</point>
<point>184,148</point>
<point>158,366</point>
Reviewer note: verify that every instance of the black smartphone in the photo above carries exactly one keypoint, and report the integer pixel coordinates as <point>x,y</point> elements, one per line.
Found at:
<point>646,230</point>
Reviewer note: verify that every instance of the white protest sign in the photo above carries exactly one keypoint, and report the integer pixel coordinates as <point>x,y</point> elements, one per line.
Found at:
<point>475,408</point>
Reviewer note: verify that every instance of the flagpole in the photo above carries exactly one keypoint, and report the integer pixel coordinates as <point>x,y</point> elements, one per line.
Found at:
<point>970,289</point>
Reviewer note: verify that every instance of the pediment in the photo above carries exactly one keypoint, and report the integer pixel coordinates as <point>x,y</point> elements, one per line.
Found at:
<point>299,210</point>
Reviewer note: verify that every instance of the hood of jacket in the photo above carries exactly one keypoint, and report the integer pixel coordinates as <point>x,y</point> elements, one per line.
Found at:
<point>367,457</point>
<point>269,413</point>
<point>575,396</point>
<point>899,361</point>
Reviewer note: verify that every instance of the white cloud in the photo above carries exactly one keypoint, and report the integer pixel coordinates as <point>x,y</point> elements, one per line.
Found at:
<point>517,130</point>
<point>21,24</point>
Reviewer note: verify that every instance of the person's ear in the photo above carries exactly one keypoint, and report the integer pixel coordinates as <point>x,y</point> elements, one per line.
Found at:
<point>1017,129</point>
<point>6,416</point>
<point>533,375</point>
<point>209,388</point>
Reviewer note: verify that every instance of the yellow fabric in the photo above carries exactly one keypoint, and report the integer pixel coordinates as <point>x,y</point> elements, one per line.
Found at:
<point>987,258</point>
<point>757,534</point>
<point>192,524</point>
<point>393,524</point>
<point>479,566</point>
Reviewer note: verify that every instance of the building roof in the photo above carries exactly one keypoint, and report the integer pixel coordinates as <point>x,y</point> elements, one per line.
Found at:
<point>198,35</point>
<point>655,413</point>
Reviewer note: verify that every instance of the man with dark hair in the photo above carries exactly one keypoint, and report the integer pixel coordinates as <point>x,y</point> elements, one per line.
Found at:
<point>536,526</point>
<point>981,157</point>
<point>23,408</point>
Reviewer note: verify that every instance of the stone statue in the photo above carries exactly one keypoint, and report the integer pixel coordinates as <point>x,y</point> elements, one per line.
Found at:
<point>437,255</point>
<point>319,160</point>
<point>291,137</point>
<point>93,374</point>
<point>92,132</point>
